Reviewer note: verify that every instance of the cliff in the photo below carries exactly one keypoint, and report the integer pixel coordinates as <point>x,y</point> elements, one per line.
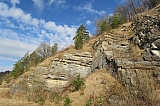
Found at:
<point>133,59</point>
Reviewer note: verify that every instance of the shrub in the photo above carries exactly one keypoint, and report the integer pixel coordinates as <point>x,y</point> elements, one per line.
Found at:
<point>52,96</point>
<point>41,100</point>
<point>78,83</point>
<point>57,98</point>
<point>67,101</point>
<point>1,82</point>
<point>89,102</point>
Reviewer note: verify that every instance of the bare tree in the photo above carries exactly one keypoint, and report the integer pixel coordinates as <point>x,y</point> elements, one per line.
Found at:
<point>133,7</point>
<point>44,50</point>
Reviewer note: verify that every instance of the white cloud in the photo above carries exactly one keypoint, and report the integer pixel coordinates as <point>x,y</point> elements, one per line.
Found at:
<point>51,2</point>
<point>29,33</point>
<point>58,3</point>
<point>8,58</point>
<point>89,8</point>
<point>88,22</point>
<point>61,2</point>
<point>5,68</point>
<point>15,48</point>
<point>39,4</point>
<point>14,2</point>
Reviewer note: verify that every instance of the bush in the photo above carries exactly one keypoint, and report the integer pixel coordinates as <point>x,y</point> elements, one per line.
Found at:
<point>89,102</point>
<point>57,98</point>
<point>52,96</point>
<point>67,101</point>
<point>1,82</point>
<point>41,101</point>
<point>78,83</point>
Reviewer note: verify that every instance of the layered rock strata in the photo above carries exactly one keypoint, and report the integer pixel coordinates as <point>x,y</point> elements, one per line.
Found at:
<point>62,71</point>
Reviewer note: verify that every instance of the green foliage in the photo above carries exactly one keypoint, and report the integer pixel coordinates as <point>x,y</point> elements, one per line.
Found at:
<point>35,59</point>
<point>54,48</point>
<point>7,79</point>
<point>52,96</point>
<point>102,25</point>
<point>18,69</point>
<point>100,99</point>
<point>67,102</point>
<point>89,102</point>
<point>41,100</point>
<point>1,82</point>
<point>106,24</point>
<point>116,20</point>
<point>57,98</point>
<point>78,83</point>
<point>81,36</point>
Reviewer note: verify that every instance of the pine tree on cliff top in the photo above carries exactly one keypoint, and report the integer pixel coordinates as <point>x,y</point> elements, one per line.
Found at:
<point>81,36</point>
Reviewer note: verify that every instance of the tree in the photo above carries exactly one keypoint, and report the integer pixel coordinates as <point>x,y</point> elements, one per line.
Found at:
<point>54,48</point>
<point>102,25</point>
<point>35,59</point>
<point>21,66</point>
<point>116,20</point>
<point>44,50</point>
<point>18,69</point>
<point>81,36</point>
<point>133,7</point>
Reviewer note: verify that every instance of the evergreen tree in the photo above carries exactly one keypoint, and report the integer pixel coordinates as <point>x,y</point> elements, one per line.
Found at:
<point>54,48</point>
<point>116,20</point>
<point>102,25</point>
<point>81,36</point>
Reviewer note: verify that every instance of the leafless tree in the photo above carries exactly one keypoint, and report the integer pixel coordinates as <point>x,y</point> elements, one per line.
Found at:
<point>44,50</point>
<point>133,7</point>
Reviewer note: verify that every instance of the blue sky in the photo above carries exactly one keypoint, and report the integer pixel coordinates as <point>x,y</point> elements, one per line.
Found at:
<point>24,24</point>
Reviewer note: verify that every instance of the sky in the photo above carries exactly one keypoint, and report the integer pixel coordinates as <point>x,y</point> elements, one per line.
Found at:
<point>24,24</point>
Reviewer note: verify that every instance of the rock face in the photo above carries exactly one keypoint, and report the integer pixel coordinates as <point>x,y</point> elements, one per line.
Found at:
<point>133,61</point>
<point>147,35</point>
<point>62,71</point>
<point>131,65</point>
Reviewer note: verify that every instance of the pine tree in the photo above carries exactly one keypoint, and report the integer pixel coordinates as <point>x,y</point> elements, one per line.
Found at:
<point>54,48</point>
<point>102,25</point>
<point>81,36</point>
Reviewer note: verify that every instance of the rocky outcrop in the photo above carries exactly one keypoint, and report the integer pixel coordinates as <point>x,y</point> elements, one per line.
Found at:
<point>62,71</point>
<point>133,61</point>
<point>147,35</point>
<point>114,52</point>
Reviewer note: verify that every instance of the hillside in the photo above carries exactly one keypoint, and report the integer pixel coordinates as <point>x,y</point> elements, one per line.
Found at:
<point>120,67</point>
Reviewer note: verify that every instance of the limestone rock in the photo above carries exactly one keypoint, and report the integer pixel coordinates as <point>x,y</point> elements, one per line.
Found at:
<point>62,71</point>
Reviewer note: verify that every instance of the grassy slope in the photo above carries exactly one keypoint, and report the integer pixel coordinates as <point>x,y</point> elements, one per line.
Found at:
<point>93,87</point>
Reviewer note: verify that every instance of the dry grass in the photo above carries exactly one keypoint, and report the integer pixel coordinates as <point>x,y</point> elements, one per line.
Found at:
<point>87,47</point>
<point>118,31</point>
<point>94,87</point>
<point>135,51</point>
<point>7,100</point>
